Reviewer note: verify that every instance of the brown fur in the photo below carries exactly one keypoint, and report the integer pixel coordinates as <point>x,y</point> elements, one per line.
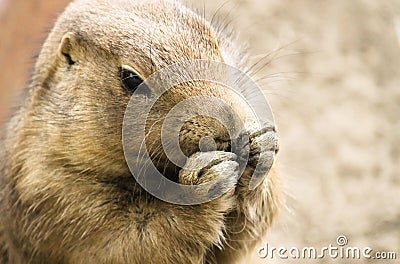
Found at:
<point>67,193</point>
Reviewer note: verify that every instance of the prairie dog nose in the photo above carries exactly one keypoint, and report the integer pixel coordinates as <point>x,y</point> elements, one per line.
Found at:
<point>205,133</point>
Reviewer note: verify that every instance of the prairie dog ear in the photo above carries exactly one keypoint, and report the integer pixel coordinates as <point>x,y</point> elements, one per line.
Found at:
<point>67,49</point>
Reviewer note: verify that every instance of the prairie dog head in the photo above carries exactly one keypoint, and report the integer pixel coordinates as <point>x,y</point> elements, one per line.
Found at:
<point>97,55</point>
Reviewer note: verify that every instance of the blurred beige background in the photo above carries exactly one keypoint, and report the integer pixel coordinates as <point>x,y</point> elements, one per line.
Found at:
<point>334,85</point>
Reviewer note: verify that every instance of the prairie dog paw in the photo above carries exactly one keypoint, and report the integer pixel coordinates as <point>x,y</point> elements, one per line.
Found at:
<point>263,148</point>
<point>214,173</point>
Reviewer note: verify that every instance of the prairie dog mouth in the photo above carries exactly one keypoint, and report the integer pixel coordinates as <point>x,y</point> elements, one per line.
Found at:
<point>252,148</point>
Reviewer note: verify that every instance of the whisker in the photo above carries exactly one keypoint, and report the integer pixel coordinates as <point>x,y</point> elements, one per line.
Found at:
<point>218,10</point>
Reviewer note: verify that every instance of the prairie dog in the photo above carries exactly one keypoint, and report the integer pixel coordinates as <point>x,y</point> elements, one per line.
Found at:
<point>68,195</point>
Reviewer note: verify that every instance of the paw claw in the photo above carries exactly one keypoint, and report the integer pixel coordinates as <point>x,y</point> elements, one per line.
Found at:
<point>218,176</point>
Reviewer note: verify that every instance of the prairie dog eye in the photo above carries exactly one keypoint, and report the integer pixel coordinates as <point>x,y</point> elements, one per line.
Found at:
<point>129,79</point>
